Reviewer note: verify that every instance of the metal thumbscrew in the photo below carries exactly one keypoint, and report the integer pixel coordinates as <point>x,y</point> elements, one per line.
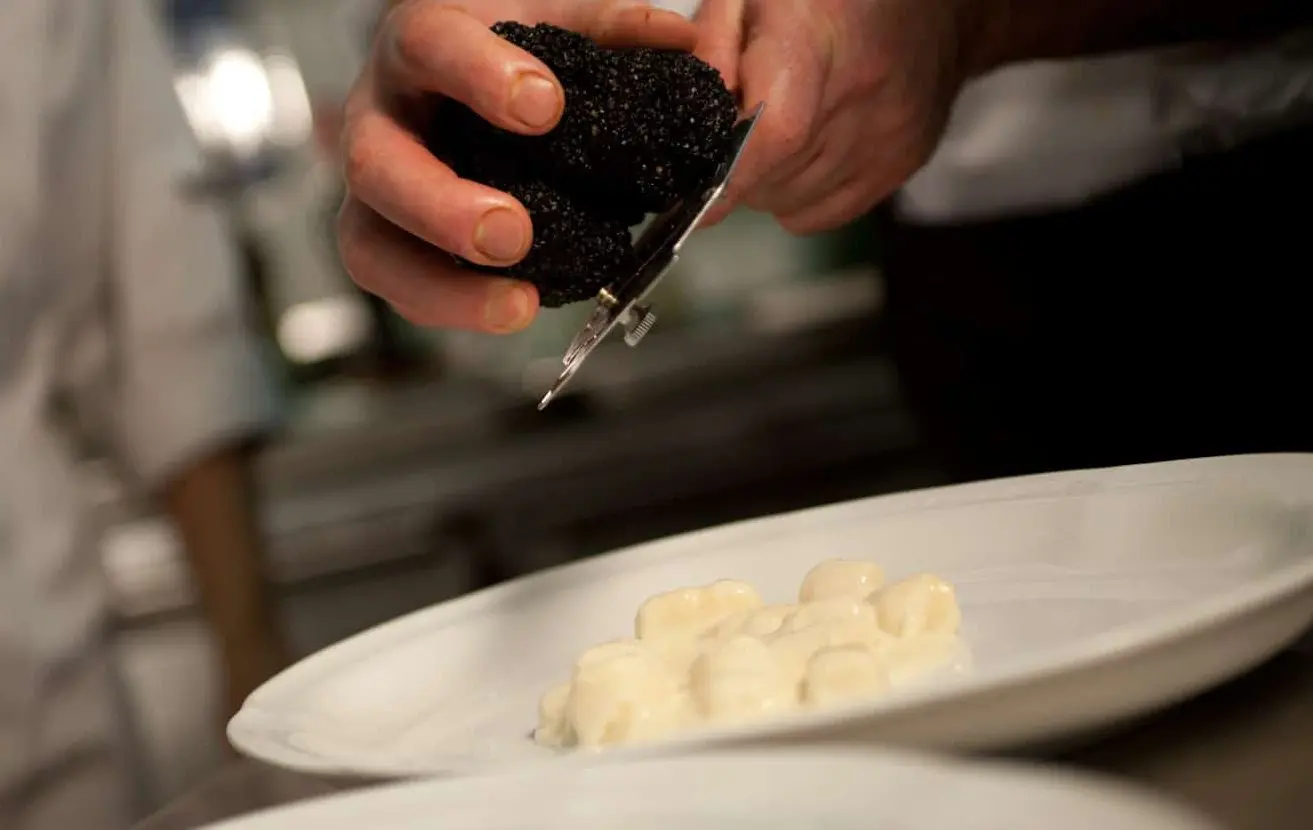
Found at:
<point>639,323</point>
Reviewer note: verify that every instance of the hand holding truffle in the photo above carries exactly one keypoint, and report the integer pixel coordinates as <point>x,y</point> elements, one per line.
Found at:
<point>859,93</point>
<point>411,226</point>
<point>643,130</point>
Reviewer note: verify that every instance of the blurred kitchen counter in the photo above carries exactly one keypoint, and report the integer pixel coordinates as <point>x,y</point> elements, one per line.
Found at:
<point>690,429</point>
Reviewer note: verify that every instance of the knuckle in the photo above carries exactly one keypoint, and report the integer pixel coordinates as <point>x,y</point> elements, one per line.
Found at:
<point>351,246</point>
<point>417,27</point>
<point>787,136</point>
<point>759,199</point>
<point>411,36</point>
<point>423,317</point>
<point>739,189</point>
<point>602,18</point>
<point>359,152</point>
<point>798,224</point>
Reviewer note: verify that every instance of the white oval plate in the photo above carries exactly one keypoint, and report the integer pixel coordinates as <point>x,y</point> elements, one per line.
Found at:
<point>1088,597</point>
<point>782,790</point>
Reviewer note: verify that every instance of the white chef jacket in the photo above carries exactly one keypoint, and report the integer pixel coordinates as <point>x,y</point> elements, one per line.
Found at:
<point>119,302</point>
<point>1052,134</point>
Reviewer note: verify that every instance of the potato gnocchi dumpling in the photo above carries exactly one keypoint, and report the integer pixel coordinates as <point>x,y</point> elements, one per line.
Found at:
<point>719,654</point>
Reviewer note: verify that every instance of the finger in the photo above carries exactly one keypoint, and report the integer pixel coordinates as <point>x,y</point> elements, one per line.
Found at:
<point>815,183</point>
<point>432,47</point>
<point>720,36</point>
<point>784,72</point>
<point>854,199</point>
<point>784,174</point>
<point>840,131</point>
<point>621,23</point>
<point>612,23</point>
<point>423,284</point>
<point>391,171</point>
<point>835,155</point>
<point>427,46</point>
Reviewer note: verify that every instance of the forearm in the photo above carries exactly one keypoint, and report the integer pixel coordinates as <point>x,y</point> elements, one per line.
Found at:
<point>1001,32</point>
<point>214,507</point>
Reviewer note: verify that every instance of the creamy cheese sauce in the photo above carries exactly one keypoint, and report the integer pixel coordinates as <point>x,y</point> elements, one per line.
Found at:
<point>719,654</point>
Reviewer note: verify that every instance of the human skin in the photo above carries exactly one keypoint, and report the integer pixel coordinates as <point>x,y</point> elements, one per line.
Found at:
<point>405,211</point>
<point>858,93</point>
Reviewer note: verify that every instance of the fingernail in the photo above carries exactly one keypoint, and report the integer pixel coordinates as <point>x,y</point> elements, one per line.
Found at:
<point>500,235</point>
<point>535,100</point>
<point>509,308</point>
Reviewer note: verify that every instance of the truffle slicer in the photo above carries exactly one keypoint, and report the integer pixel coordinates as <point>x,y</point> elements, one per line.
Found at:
<point>622,303</point>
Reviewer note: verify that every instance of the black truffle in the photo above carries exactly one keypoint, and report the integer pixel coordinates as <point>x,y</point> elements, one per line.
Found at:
<point>642,128</point>
<point>576,249</point>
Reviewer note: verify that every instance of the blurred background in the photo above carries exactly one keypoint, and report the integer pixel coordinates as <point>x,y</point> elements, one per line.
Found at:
<point>415,466</point>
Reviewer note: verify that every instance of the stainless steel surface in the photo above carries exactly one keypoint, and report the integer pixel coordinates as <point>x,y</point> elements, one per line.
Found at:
<point>658,248</point>
<point>1241,753</point>
<point>644,319</point>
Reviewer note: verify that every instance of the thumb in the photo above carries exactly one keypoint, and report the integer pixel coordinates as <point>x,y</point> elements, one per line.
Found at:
<point>778,70</point>
<point>720,36</point>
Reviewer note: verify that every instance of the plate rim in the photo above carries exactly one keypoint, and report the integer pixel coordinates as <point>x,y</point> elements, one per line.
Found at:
<point>1177,813</point>
<point>245,733</point>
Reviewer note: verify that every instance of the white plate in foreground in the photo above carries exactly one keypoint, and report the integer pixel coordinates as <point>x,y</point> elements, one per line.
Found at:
<point>783,790</point>
<point>1087,597</point>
